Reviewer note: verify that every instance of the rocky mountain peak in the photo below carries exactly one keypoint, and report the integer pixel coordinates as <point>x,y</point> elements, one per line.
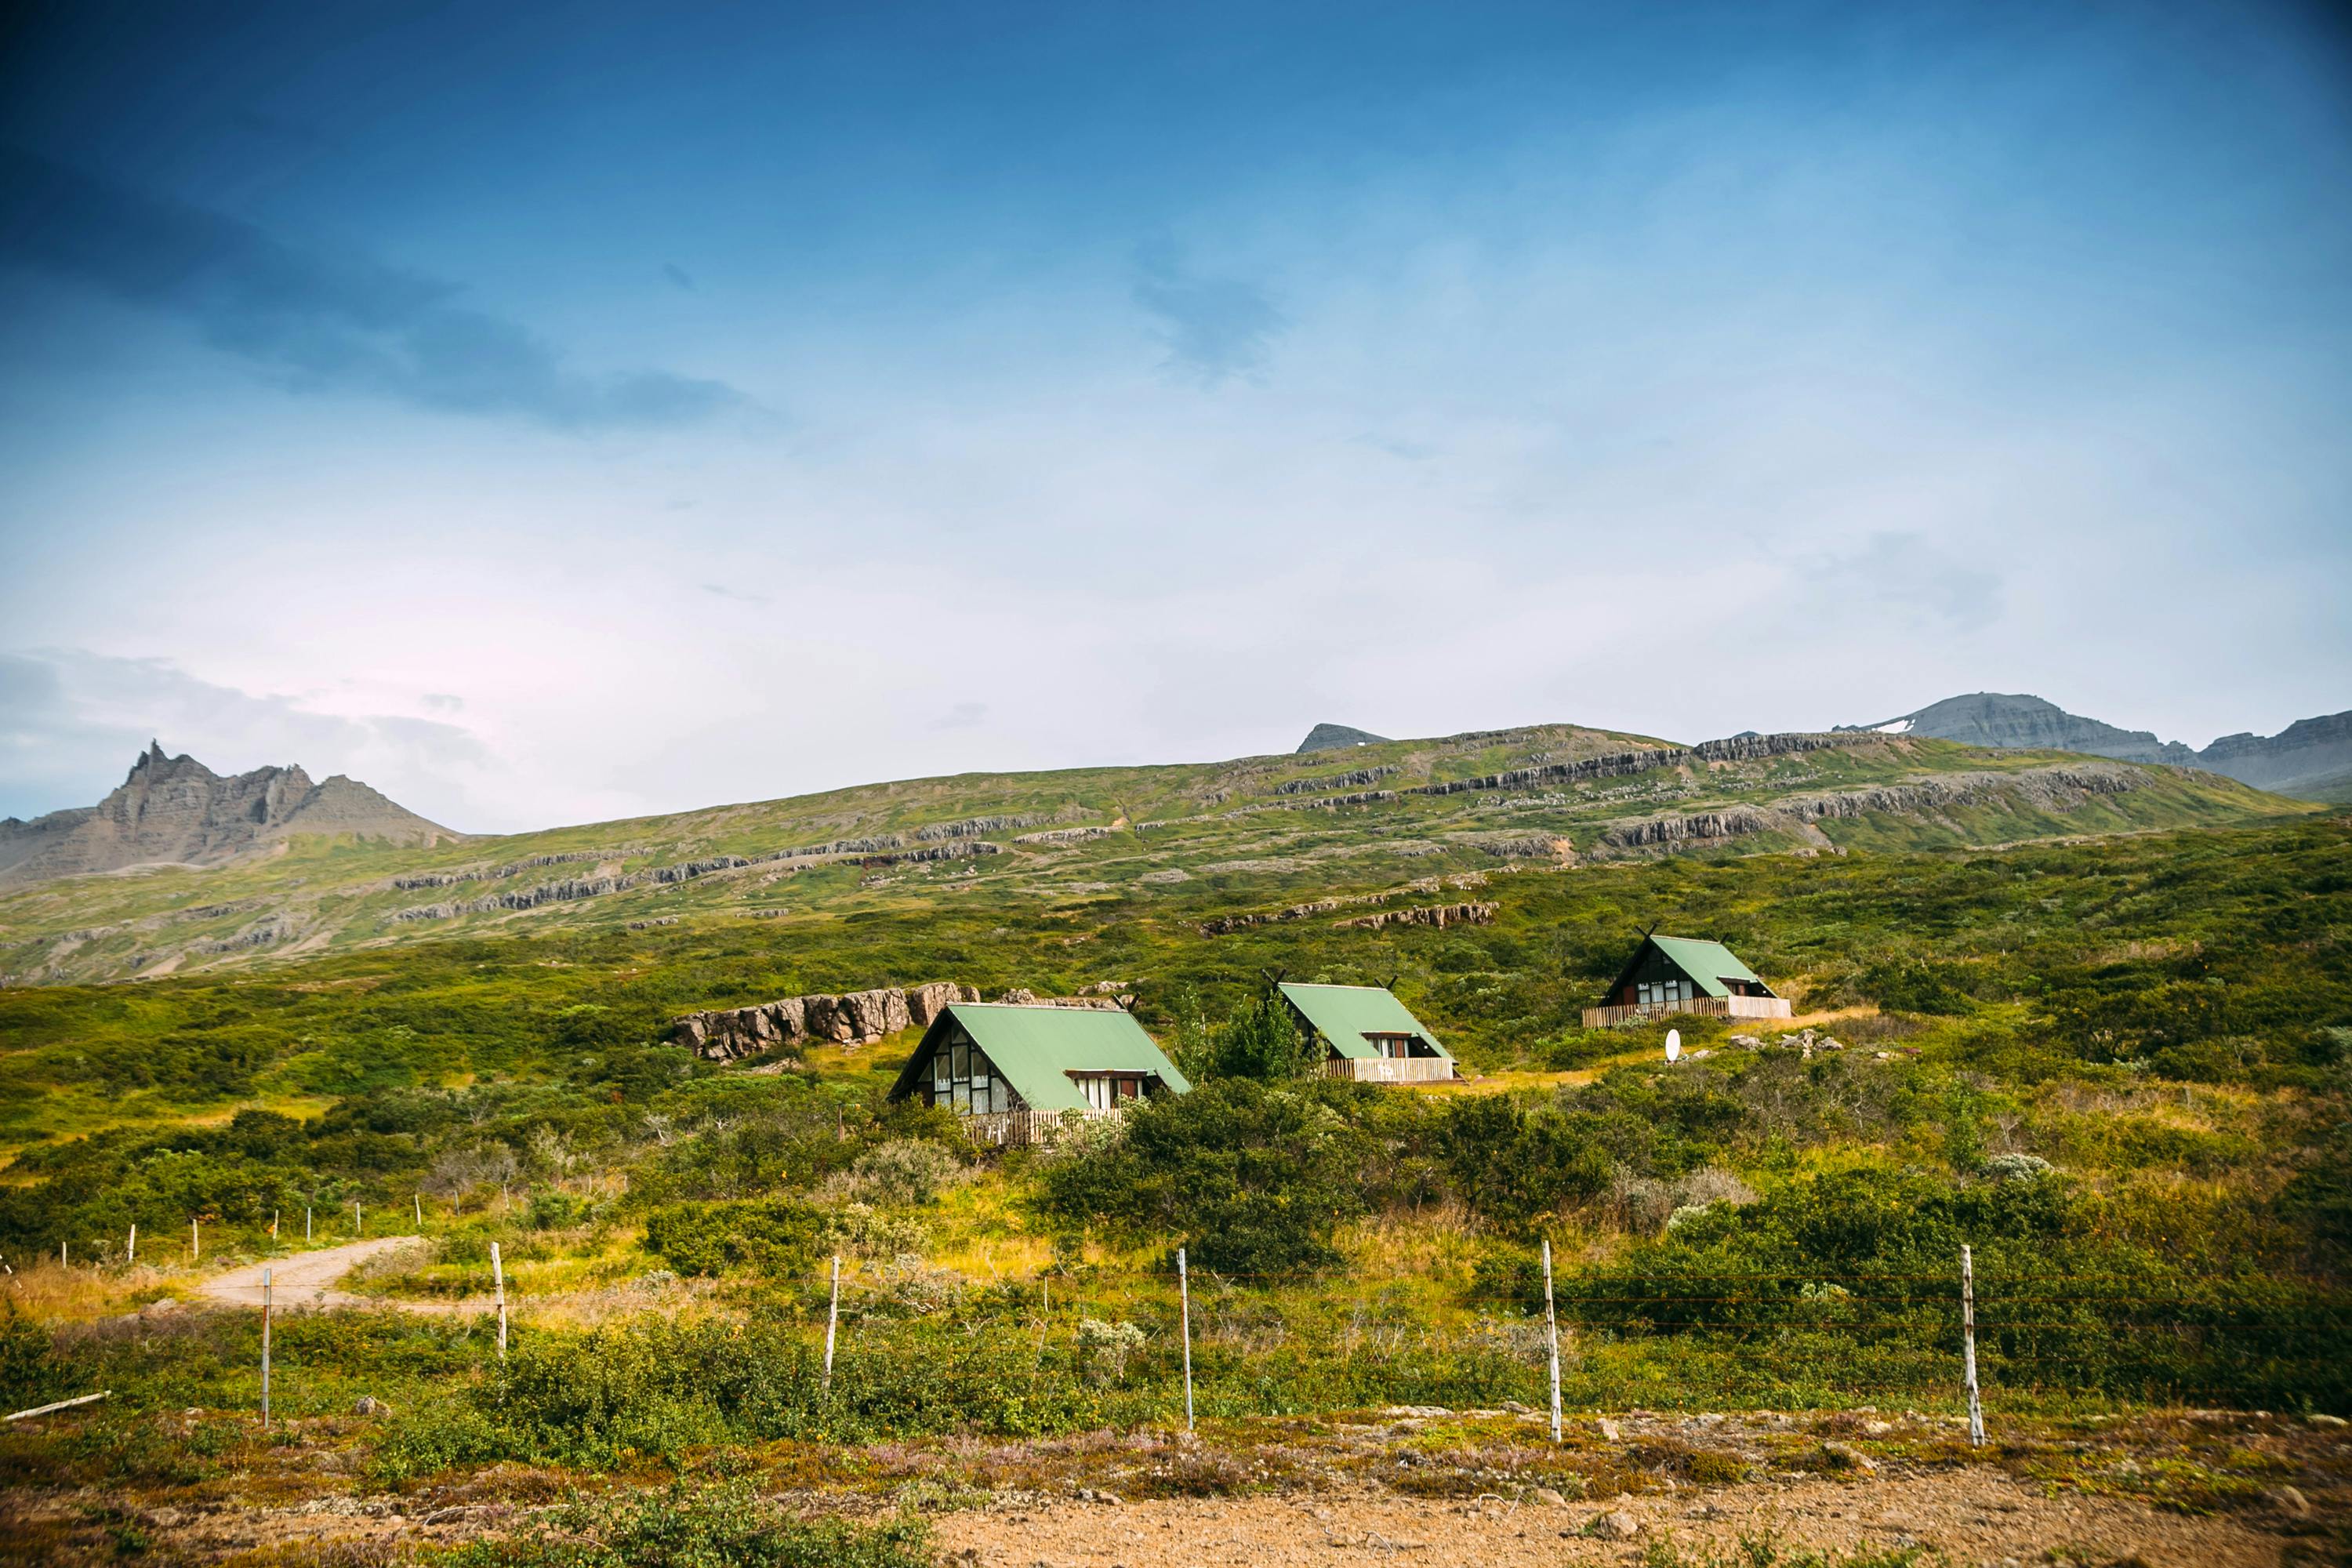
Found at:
<point>1336,738</point>
<point>175,810</point>
<point>2310,758</point>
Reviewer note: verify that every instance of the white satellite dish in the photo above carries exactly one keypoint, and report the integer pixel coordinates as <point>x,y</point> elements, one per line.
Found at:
<point>1674,1045</point>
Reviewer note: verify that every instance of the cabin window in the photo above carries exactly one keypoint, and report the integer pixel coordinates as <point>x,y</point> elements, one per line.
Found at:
<point>1103,1092</point>
<point>962,1077</point>
<point>1650,991</point>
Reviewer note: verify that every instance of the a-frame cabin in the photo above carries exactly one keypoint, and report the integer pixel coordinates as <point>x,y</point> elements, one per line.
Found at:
<point>1684,974</point>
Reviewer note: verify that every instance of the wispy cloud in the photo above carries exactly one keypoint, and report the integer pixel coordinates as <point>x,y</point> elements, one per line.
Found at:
<point>1910,570</point>
<point>1399,446</point>
<point>444,702</point>
<point>1215,328</point>
<point>962,716</point>
<point>680,276</point>
<point>742,596</point>
<point>320,323</point>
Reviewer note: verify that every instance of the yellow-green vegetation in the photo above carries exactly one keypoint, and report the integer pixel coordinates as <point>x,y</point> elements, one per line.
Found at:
<point>2116,1067</point>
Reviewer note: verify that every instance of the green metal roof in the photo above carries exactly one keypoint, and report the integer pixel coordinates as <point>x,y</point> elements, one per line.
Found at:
<point>1036,1049</point>
<point>1344,1015</point>
<point>1708,963</point>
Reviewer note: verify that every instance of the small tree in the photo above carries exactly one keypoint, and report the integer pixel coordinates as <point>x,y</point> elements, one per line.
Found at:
<point>1261,1040</point>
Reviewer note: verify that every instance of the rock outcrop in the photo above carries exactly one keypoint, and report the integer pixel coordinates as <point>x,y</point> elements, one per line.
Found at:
<point>2058,788</point>
<point>1348,780</point>
<point>847,1018</point>
<point>1439,915</point>
<point>175,810</point>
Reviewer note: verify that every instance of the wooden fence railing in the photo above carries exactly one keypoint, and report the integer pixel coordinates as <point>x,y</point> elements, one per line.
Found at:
<point>1017,1129</point>
<point>1705,1006</point>
<point>1392,1070</point>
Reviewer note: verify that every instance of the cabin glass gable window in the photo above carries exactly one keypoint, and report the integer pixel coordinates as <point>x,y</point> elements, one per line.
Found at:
<point>962,1077</point>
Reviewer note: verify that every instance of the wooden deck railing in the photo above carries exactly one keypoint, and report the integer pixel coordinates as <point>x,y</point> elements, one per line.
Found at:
<point>1705,1006</point>
<point>1390,1069</point>
<point>1020,1129</point>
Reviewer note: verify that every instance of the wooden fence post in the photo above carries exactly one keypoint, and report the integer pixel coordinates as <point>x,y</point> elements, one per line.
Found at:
<point>306,1222</point>
<point>1184,1303</point>
<point>195,1243</point>
<point>832,1322</point>
<point>420,1214</point>
<point>499,1278</point>
<point>1551,1331</point>
<point>359,1226</point>
<point>265,1348</point>
<point>132,1254</point>
<point>1969,1346</point>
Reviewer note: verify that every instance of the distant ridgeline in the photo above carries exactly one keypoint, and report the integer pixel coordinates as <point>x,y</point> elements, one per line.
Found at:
<point>225,877</point>
<point>2311,758</point>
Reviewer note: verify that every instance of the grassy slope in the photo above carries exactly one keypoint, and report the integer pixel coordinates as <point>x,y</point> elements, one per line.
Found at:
<point>2139,1009</point>
<point>466,1006</point>
<point>1190,838</point>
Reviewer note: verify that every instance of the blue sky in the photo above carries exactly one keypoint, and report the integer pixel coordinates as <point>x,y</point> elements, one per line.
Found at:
<point>550,413</point>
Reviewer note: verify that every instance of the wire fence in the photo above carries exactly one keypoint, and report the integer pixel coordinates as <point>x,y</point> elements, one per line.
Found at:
<point>1239,1342</point>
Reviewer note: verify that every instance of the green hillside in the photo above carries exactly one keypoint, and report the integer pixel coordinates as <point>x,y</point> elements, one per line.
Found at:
<point>1166,842</point>
<point>2116,1066</point>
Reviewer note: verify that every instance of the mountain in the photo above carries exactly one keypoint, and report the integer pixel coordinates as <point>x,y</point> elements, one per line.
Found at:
<point>2029,724</point>
<point>1336,738</point>
<point>176,811</point>
<point>1336,835</point>
<point>2310,759</point>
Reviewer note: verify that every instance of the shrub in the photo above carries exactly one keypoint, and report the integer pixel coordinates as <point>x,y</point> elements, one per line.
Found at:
<point>1261,1040</point>
<point>728,1526</point>
<point>2016,1167</point>
<point>1251,1179</point>
<point>1515,1162</point>
<point>903,1172</point>
<point>767,1235</point>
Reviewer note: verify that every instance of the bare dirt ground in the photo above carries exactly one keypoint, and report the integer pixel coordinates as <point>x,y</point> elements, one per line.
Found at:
<point>1968,1517</point>
<point>1962,1518</point>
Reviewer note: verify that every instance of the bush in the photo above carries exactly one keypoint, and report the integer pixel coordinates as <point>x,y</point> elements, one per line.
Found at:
<point>903,1174</point>
<point>1261,1041</point>
<point>727,1526</point>
<point>1250,1179</point>
<point>1516,1163</point>
<point>766,1235</point>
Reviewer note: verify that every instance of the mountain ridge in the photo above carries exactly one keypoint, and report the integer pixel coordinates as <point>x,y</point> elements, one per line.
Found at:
<point>2311,758</point>
<point>1182,842</point>
<point>174,810</point>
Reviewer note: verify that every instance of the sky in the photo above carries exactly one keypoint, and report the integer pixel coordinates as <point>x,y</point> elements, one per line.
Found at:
<point>553,413</point>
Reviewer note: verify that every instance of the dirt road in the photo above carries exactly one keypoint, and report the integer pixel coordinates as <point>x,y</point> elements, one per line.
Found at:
<point>308,1279</point>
